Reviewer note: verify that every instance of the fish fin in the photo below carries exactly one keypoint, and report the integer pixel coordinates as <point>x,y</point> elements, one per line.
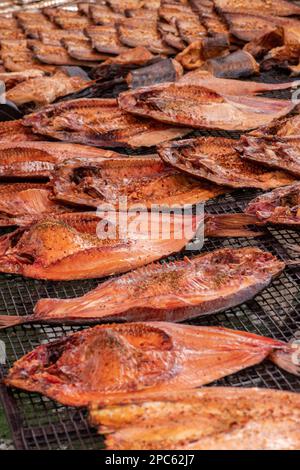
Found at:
<point>231,225</point>
<point>7,321</point>
<point>288,359</point>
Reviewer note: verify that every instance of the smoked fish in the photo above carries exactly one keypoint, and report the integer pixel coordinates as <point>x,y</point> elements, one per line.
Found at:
<point>218,160</point>
<point>200,107</point>
<point>175,291</point>
<point>112,362</point>
<point>210,418</point>
<point>99,122</point>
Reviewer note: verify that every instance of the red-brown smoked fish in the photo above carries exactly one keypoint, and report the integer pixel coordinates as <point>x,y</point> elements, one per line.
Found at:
<point>282,153</point>
<point>38,159</point>
<point>52,249</point>
<point>281,206</point>
<point>128,360</point>
<point>217,159</point>
<point>15,131</point>
<point>285,127</point>
<point>99,122</point>
<point>143,180</point>
<point>263,7</point>
<point>210,418</point>
<point>200,107</point>
<point>203,285</point>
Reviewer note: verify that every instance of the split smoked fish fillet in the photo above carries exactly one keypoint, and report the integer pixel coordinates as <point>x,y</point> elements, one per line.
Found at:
<point>38,159</point>
<point>99,122</point>
<point>217,159</point>
<point>281,206</point>
<point>263,7</point>
<point>120,361</point>
<point>52,249</point>
<point>213,418</point>
<point>229,86</point>
<point>144,181</point>
<point>200,107</point>
<point>203,285</point>
<point>15,131</point>
<point>285,127</point>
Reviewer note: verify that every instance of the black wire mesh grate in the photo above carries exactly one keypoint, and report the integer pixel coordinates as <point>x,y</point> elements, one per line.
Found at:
<point>40,423</point>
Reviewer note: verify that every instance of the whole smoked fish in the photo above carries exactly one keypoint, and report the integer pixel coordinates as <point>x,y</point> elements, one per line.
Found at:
<point>200,107</point>
<point>144,180</point>
<point>211,418</point>
<point>282,153</point>
<point>38,159</point>
<point>51,249</point>
<point>120,361</point>
<point>280,206</point>
<point>217,159</point>
<point>99,122</point>
<point>205,284</point>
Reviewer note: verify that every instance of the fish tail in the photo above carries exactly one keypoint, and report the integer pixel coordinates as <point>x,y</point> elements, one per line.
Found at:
<point>7,321</point>
<point>287,358</point>
<point>231,225</point>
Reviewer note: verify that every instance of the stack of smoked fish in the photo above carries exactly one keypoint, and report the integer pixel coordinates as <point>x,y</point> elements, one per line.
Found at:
<point>116,102</point>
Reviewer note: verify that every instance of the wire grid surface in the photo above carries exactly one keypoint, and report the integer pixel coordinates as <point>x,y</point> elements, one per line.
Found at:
<point>40,423</point>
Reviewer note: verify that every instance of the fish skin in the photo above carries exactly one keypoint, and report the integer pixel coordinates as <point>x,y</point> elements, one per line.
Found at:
<point>270,7</point>
<point>274,152</point>
<point>15,131</point>
<point>144,180</point>
<point>45,90</point>
<point>152,293</point>
<point>212,418</point>
<point>239,64</point>
<point>51,249</point>
<point>112,362</point>
<point>99,122</point>
<point>283,56</point>
<point>165,70</point>
<point>199,51</point>
<point>283,127</point>
<point>216,159</point>
<point>38,159</point>
<point>260,46</point>
<point>280,206</point>
<point>200,107</point>
<point>230,86</point>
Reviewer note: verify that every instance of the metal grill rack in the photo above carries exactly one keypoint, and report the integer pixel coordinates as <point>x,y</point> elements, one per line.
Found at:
<point>39,423</point>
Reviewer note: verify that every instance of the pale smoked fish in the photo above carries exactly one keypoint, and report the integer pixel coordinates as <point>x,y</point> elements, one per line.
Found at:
<point>212,418</point>
<point>45,90</point>
<point>248,27</point>
<point>284,127</point>
<point>15,131</point>
<point>24,206</point>
<point>105,39</point>
<point>269,7</point>
<point>203,285</point>
<point>282,153</point>
<point>143,180</point>
<point>239,64</point>
<point>112,362</point>
<point>81,49</point>
<point>51,249</point>
<point>229,86</point>
<point>38,159</point>
<point>216,159</point>
<point>200,107</point>
<point>99,122</point>
<point>196,54</point>
<point>281,206</point>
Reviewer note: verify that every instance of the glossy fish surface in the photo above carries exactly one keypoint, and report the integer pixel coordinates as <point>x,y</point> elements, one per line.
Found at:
<point>281,206</point>
<point>51,249</point>
<point>111,362</point>
<point>99,122</point>
<point>200,107</point>
<point>217,160</point>
<point>214,418</point>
